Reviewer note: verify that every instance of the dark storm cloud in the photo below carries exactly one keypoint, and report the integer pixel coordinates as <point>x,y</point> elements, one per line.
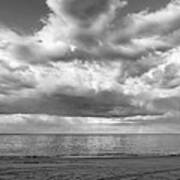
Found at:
<point>61,104</point>
<point>104,104</point>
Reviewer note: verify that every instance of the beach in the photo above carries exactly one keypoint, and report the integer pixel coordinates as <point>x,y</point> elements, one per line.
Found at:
<point>95,168</point>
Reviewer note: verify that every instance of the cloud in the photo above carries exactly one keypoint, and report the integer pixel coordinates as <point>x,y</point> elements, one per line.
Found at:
<point>92,30</point>
<point>95,30</point>
<point>161,22</point>
<point>42,123</point>
<point>149,31</point>
<point>83,30</point>
<point>162,78</point>
<point>88,60</point>
<point>168,104</point>
<point>15,81</point>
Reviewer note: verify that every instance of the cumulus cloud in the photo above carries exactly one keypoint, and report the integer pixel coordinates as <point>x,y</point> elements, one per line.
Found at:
<point>94,30</point>
<point>90,30</point>
<point>88,60</point>
<point>81,26</point>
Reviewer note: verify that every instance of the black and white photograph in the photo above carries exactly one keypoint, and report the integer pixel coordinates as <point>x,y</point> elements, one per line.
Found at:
<point>89,89</point>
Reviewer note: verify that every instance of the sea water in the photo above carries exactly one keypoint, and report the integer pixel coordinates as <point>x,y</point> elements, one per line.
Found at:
<point>89,145</point>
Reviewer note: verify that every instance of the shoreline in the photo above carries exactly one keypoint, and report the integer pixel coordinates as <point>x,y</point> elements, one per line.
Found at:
<point>56,168</point>
<point>92,156</point>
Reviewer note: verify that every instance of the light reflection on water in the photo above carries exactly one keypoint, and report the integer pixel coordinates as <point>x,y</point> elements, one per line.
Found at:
<point>79,145</point>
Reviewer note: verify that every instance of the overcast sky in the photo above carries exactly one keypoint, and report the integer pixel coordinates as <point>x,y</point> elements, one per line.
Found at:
<point>81,66</point>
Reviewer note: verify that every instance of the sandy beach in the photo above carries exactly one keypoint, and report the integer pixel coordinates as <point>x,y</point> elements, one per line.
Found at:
<point>126,168</point>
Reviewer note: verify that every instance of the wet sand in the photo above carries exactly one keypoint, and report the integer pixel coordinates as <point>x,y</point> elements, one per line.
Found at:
<point>109,168</point>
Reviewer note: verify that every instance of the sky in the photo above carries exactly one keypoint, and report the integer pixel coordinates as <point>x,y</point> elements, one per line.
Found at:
<point>80,66</point>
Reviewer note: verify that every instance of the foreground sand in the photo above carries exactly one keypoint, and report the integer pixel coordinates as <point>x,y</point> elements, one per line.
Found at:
<point>127,168</point>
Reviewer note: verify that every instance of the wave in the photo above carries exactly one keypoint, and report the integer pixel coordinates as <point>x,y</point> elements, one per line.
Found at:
<point>102,155</point>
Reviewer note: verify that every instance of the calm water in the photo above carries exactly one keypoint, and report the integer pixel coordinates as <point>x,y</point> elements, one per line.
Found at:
<point>89,145</point>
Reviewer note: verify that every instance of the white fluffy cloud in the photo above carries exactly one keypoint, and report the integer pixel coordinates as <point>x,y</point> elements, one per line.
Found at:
<point>96,62</point>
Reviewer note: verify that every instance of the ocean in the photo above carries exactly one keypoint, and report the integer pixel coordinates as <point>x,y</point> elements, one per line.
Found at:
<point>89,145</point>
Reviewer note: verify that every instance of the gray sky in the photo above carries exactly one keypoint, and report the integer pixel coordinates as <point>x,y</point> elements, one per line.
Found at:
<point>90,66</point>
